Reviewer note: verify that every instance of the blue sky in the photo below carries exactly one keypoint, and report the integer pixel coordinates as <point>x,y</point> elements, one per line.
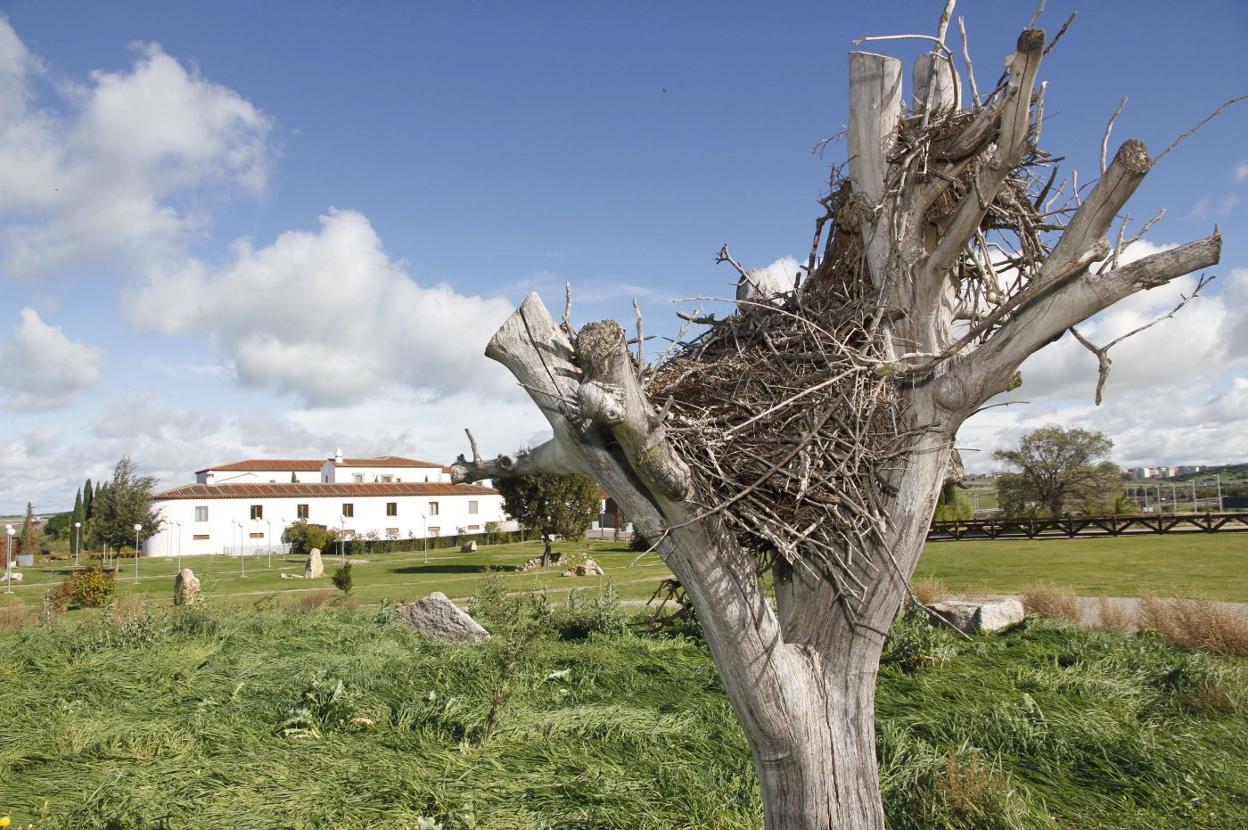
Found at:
<point>241,229</point>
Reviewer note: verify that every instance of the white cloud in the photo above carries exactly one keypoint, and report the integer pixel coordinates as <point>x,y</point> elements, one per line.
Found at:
<point>125,166</point>
<point>42,369</point>
<point>1241,172</point>
<point>328,316</point>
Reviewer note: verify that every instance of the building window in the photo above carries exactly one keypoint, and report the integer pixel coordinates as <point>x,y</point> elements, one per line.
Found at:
<point>257,511</point>
<point>348,509</point>
<point>392,508</point>
<point>201,513</point>
<point>433,508</point>
<point>357,478</point>
<point>473,528</point>
<point>255,535</point>
<point>301,511</point>
<point>472,508</point>
<point>385,479</point>
<point>434,531</point>
<point>200,537</point>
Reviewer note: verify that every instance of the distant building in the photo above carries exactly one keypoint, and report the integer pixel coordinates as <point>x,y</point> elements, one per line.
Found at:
<point>246,505</point>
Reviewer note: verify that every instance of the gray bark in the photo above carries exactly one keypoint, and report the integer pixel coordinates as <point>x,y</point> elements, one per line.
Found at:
<point>801,678</point>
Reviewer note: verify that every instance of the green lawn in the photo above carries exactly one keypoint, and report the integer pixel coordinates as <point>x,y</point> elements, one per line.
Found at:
<point>1203,565</point>
<point>277,719</point>
<point>393,576</point>
<point>1214,566</point>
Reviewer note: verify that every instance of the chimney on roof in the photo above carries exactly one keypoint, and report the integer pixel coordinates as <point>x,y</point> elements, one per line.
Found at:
<point>338,456</point>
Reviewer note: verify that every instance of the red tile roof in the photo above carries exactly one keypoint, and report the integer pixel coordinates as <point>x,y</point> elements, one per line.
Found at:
<point>287,465</point>
<point>310,490</point>
<point>386,461</point>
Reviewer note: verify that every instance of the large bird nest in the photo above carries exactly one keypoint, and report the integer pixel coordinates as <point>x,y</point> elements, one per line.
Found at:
<point>787,412</point>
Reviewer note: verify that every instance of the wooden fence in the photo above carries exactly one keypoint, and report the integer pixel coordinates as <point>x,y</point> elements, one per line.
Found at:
<point>1071,526</point>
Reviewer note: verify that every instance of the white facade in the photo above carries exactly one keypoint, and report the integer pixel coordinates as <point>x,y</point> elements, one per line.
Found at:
<point>273,476</point>
<point>227,518</point>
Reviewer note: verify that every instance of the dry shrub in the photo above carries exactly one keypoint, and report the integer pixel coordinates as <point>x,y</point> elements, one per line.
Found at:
<point>1045,599</point>
<point>314,599</point>
<point>929,591</point>
<point>1113,616</point>
<point>126,608</point>
<point>1196,624</point>
<point>13,617</point>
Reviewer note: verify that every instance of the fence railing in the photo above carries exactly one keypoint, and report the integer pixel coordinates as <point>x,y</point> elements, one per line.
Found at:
<point>1071,526</point>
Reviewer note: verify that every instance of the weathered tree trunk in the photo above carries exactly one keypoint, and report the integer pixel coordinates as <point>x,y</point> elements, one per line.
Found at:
<point>801,674</point>
<point>546,550</point>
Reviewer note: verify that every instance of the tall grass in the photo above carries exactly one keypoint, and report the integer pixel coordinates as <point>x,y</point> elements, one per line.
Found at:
<point>282,718</point>
<point>1196,624</point>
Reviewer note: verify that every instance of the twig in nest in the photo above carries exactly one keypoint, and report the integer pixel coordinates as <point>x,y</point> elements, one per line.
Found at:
<point>724,256</point>
<point>641,343</point>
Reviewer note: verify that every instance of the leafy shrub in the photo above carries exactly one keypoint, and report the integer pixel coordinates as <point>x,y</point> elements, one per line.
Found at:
<point>325,704</point>
<point>914,643</point>
<point>584,615</point>
<point>342,578</point>
<point>87,588</point>
<point>302,537</point>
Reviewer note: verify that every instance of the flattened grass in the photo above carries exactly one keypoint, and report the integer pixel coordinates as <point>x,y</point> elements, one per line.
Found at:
<point>273,718</point>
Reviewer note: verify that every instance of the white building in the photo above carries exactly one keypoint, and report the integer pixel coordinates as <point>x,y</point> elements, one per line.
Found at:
<point>246,506</point>
<point>335,470</point>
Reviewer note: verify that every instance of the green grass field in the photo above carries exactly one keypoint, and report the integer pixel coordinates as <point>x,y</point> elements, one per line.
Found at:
<point>392,576</point>
<point>1213,566</point>
<point>274,718</point>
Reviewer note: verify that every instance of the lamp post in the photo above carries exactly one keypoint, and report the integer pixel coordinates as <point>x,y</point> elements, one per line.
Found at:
<point>282,539</point>
<point>268,539</point>
<point>77,541</point>
<point>179,527</point>
<point>137,529</point>
<point>424,535</point>
<point>8,561</point>
<point>242,560</point>
<point>342,539</point>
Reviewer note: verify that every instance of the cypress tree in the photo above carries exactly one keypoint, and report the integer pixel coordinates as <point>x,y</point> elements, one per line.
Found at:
<point>28,545</point>
<point>79,515</point>
<point>88,500</point>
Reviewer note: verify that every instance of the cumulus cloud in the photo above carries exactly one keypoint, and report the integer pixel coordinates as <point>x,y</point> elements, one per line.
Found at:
<point>327,316</point>
<point>123,164</point>
<point>42,368</point>
<point>1241,172</point>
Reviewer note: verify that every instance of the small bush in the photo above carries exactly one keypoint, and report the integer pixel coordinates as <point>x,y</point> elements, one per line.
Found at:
<point>914,643</point>
<point>1047,600</point>
<point>342,578</point>
<point>929,591</point>
<point>1196,624</point>
<point>303,537</point>
<point>314,599</point>
<point>597,614</point>
<point>1112,616</point>
<point>13,617</point>
<point>87,588</point>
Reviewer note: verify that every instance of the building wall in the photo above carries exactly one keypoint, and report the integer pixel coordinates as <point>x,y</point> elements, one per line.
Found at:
<point>342,474</point>
<point>256,477</point>
<point>222,534</point>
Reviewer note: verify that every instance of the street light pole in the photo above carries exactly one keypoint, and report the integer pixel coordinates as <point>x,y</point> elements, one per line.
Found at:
<point>242,557</point>
<point>77,541</point>
<point>179,526</point>
<point>137,529</point>
<point>342,539</point>
<point>268,539</point>
<point>8,561</point>
<point>424,536</point>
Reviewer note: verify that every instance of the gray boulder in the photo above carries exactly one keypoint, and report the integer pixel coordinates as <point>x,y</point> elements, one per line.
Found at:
<point>587,568</point>
<point>313,568</point>
<point>971,616</point>
<point>438,617</point>
<point>185,587</point>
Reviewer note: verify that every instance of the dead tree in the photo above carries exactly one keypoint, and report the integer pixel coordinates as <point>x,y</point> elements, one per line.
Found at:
<point>809,433</point>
